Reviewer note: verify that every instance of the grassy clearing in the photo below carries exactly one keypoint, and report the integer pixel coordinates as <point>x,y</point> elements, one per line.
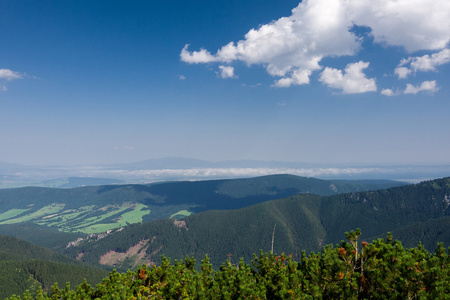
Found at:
<point>87,219</point>
<point>127,218</point>
<point>12,213</point>
<point>181,214</point>
<point>46,210</point>
<point>60,220</point>
<point>97,219</point>
<point>134,216</point>
<point>97,228</point>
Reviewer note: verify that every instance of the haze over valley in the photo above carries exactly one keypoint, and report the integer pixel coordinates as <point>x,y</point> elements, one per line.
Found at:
<point>167,169</point>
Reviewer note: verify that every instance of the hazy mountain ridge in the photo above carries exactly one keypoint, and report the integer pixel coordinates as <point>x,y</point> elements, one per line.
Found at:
<point>177,168</point>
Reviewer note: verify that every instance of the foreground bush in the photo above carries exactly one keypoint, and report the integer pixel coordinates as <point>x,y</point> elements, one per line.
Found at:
<point>382,269</point>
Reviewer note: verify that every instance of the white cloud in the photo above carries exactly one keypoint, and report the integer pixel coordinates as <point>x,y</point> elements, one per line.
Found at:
<point>411,24</point>
<point>292,47</point>
<point>9,75</point>
<point>353,80</point>
<point>390,92</point>
<point>181,77</point>
<point>402,72</point>
<point>429,86</point>
<point>429,63</point>
<point>423,63</point>
<point>202,56</point>
<point>387,92</point>
<point>226,72</point>
<point>298,77</point>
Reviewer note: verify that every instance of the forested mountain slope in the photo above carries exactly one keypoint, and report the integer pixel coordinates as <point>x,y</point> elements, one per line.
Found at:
<point>24,265</point>
<point>301,222</point>
<point>40,235</point>
<point>101,208</point>
<point>354,269</point>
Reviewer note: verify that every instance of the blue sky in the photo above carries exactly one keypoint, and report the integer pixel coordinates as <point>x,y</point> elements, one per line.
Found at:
<point>94,82</point>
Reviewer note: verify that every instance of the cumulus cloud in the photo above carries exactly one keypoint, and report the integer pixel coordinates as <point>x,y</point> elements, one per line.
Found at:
<point>388,92</point>
<point>428,86</point>
<point>181,77</point>
<point>402,72</point>
<point>422,63</point>
<point>292,47</point>
<point>202,56</point>
<point>226,72</point>
<point>9,74</point>
<point>351,81</point>
<point>298,77</point>
<point>411,24</point>
<point>429,63</point>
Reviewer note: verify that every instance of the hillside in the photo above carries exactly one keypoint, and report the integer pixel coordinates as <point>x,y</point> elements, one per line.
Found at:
<point>303,222</point>
<point>44,236</point>
<point>25,266</point>
<point>97,209</point>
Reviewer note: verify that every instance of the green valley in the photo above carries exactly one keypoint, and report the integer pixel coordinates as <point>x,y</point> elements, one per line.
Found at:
<point>97,209</point>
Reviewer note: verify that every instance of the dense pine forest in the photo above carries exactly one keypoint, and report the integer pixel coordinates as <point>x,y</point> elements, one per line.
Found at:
<point>354,269</point>
<point>25,266</point>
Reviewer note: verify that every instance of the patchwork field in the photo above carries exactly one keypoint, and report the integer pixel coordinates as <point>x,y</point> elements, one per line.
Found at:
<point>86,219</point>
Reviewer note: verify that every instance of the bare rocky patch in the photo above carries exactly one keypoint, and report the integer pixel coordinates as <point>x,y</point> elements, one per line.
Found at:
<point>180,224</point>
<point>137,253</point>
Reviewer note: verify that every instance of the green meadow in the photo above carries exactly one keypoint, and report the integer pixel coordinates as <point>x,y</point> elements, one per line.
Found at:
<point>86,219</point>
<point>44,211</point>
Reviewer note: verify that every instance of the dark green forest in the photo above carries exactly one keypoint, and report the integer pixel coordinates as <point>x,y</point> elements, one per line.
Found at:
<point>415,213</point>
<point>25,266</point>
<point>354,269</point>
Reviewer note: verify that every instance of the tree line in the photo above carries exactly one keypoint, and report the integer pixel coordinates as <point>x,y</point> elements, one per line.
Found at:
<point>353,269</point>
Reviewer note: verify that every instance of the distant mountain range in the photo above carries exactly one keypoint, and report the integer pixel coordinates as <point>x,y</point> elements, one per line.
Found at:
<point>175,168</point>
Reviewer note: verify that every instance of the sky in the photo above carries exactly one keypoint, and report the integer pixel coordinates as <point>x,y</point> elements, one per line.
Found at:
<point>319,81</point>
